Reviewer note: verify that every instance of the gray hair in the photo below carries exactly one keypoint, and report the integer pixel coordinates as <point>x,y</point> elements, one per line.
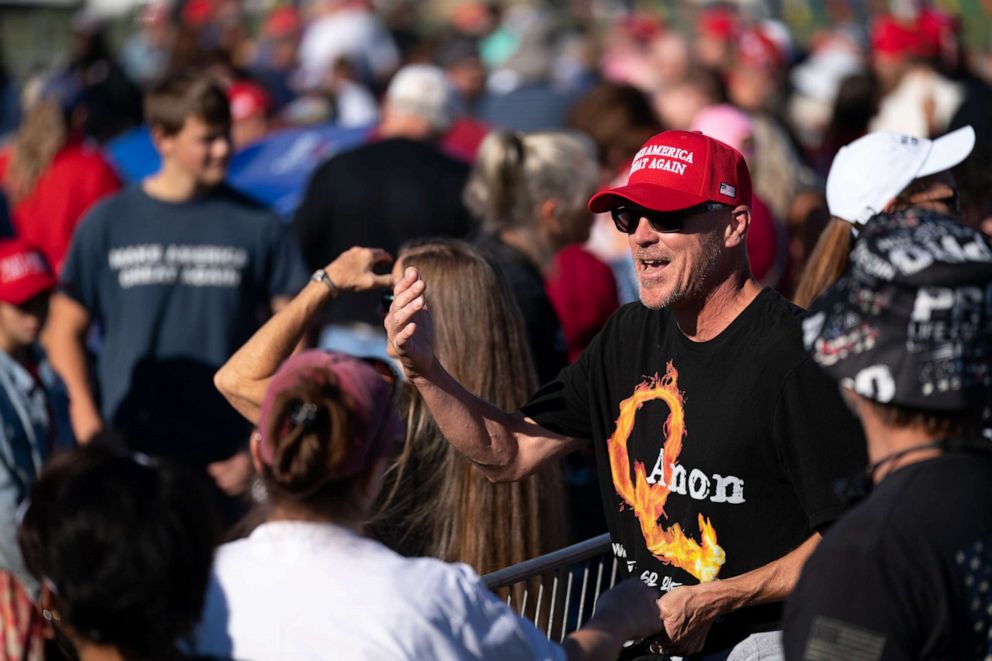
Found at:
<point>423,90</point>
<point>514,173</point>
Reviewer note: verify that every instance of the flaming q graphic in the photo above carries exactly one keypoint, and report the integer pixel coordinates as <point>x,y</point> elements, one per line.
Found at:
<point>670,545</point>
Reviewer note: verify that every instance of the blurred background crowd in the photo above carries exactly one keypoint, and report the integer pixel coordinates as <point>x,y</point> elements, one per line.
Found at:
<point>786,82</point>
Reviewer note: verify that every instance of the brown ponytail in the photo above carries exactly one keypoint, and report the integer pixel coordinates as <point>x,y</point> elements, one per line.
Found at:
<point>310,430</point>
<point>826,263</point>
<point>495,192</point>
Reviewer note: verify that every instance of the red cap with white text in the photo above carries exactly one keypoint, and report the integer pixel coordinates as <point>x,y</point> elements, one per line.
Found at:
<point>24,273</point>
<point>676,170</point>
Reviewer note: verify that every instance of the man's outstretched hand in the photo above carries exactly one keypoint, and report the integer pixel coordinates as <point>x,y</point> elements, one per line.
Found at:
<point>352,269</point>
<point>409,325</point>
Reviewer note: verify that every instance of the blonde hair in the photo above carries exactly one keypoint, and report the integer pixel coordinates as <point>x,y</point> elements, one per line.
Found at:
<point>514,173</point>
<point>439,504</point>
<point>826,263</point>
<point>42,133</point>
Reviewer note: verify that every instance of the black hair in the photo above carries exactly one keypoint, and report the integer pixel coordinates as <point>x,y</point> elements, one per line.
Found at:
<point>126,546</point>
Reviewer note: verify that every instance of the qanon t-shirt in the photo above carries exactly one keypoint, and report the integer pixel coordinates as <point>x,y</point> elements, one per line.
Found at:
<point>176,288</point>
<point>714,458</point>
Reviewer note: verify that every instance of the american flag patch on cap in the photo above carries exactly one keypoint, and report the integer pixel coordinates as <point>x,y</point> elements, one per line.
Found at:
<point>728,190</point>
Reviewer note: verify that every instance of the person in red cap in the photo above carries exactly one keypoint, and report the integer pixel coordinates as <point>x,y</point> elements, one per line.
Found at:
<point>34,411</point>
<point>250,108</point>
<point>717,439</point>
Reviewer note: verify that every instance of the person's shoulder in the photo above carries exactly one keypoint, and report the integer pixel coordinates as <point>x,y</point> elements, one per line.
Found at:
<point>860,529</point>
<point>774,324</point>
<point>230,554</point>
<point>406,149</point>
<point>114,209</point>
<point>226,194</point>
<point>892,510</point>
<point>436,576</point>
<point>780,310</point>
<point>81,154</point>
<point>240,207</point>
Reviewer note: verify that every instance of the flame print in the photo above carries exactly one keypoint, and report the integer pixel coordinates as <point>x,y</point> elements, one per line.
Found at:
<point>670,545</point>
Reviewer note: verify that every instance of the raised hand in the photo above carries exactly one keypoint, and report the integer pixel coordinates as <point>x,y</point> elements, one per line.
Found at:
<point>352,270</point>
<point>409,326</point>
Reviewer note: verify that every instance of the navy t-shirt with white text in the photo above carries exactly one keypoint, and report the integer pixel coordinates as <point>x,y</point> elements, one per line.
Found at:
<point>176,288</point>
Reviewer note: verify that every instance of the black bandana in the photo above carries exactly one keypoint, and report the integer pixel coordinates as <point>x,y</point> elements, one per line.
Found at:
<point>910,322</point>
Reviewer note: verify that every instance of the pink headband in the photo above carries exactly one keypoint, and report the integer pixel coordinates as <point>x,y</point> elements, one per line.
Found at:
<point>367,394</point>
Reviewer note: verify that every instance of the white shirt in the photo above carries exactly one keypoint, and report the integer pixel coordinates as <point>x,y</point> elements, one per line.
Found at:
<point>295,590</point>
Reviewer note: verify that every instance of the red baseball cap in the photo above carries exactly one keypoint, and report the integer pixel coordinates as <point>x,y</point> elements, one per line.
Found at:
<point>197,13</point>
<point>24,273</point>
<point>248,99</point>
<point>676,170</point>
<point>757,49</point>
<point>282,22</point>
<point>717,22</point>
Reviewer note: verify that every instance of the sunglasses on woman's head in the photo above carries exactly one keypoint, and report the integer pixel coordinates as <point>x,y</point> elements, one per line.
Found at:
<point>628,217</point>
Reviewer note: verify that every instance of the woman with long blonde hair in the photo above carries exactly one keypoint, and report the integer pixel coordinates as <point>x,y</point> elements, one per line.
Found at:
<point>434,503</point>
<point>50,175</point>
<point>437,503</point>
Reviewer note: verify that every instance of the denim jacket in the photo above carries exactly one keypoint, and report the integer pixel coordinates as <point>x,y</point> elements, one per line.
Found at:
<point>27,413</point>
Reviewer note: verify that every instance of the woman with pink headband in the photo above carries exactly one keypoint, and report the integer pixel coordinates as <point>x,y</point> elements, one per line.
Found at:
<point>307,584</point>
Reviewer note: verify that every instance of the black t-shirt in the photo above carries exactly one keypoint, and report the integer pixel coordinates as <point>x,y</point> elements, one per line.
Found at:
<point>744,429</point>
<point>544,333</point>
<point>176,289</point>
<point>380,195</point>
<point>907,574</point>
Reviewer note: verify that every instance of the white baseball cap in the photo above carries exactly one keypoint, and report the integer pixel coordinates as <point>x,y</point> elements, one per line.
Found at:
<point>871,171</point>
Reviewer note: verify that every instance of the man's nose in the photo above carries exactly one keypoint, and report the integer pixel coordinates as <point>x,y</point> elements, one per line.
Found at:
<point>643,233</point>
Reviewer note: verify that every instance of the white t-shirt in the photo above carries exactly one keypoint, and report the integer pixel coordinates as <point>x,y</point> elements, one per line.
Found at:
<point>295,590</point>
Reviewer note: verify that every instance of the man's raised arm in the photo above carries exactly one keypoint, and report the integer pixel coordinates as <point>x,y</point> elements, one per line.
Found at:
<point>245,377</point>
<point>505,446</point>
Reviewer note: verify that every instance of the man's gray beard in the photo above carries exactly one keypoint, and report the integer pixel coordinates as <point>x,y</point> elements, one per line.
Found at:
<point>672,298</point>
<point>698,282</point>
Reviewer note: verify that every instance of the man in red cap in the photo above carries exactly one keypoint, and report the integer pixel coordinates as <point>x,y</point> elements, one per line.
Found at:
<point>34,411</point>
<point>250,108</point>
<point>717,439</point>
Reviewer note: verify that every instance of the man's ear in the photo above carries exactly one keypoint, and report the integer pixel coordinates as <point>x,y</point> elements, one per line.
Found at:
<point>736,232</point>
<point>255,450</point>
<point>161,140</point>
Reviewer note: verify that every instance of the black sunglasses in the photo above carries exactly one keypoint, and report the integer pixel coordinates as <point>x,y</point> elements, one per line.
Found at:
<point>627,218</point>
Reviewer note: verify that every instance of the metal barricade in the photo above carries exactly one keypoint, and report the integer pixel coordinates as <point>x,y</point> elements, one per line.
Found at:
<point>552,576</point>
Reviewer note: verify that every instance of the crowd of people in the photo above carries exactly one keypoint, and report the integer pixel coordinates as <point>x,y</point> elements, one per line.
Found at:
<point>304,328</point>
